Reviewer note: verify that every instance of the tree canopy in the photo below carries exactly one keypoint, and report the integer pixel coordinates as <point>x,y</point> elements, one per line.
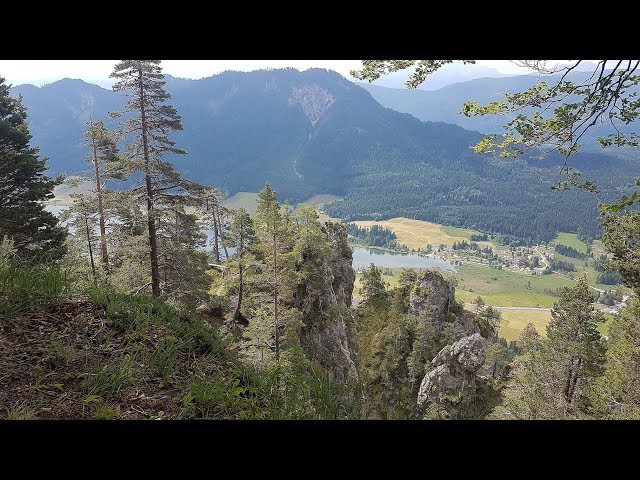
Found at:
<point>24,186</point>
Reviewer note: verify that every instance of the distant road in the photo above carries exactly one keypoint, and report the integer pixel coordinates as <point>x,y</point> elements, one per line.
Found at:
<point>542,257</point>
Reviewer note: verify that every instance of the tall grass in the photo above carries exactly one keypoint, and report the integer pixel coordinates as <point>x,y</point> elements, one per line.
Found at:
<point>25,287</point>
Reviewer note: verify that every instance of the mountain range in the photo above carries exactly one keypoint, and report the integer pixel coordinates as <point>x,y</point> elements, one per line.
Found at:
<point>315,132</point>
<point>444,104</point>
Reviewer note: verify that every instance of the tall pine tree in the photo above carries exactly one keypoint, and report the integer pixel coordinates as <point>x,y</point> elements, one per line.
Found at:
<point>152,121</point>
<point>243,236</point>
<point>104,159</point>
<point>23,186</point>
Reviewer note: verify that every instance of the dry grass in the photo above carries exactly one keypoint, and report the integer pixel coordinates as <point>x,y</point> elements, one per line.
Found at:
<point>418,233</point>
<point>514,322</point>
<point>246,200</point>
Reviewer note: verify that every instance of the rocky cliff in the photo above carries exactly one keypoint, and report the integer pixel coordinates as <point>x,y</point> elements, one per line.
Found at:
<point>454,379</point>
<point>329,335</point>
<point>456,369</point>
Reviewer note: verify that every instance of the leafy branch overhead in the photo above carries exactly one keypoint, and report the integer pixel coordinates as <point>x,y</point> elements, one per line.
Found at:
<point>549,115</point>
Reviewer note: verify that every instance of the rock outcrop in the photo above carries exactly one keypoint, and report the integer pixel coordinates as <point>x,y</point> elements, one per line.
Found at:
<point>454,379</point>
<point>314,100</point>
<point>329,336</point>
<point>457,368</point>
<point>432,299</point>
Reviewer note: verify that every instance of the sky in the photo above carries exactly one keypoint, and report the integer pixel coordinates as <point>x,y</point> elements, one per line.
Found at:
<point>40,72</point>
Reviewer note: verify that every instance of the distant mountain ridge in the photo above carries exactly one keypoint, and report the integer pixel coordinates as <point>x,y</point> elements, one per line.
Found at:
<point>315,132</point>
<point>444,104</point>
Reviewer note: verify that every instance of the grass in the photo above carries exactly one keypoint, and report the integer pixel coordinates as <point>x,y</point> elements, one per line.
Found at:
<point>571,240</point>
<point>320,201</point>
<point>514,322</point>
<point>246,200</point>
<point>506,288</point>
<point>26,287</point>
<point>416,234</point>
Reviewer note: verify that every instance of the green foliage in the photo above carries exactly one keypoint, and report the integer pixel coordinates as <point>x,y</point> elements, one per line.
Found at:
<point>554,377</point>
<point>616,394</point>
<point>21,410</point>
<point>376,236</point>
<point>24,187</point>
<point>374,69</point>
<point>58,354</point>
<point>106,413</point>
<point>569,251</point>
<point>25,287</point>
<point>217,398</point>
<point>164,358</point>
<point>108,381</point>
<point>372,284</point>
<point>136,312</point>
<point>622,238</point>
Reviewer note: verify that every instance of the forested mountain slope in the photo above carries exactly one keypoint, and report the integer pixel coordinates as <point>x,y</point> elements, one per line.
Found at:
<point>314,132</point>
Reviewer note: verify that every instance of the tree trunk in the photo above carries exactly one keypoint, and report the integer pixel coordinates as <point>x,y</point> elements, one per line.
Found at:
<point>226,254</point>
<point>103,230</point>
<point>151,223</point>
<point>236,314</point>
<point>216,237</point>
<point>93,265</point>
<point>275,294</point>
<point>573,381</point>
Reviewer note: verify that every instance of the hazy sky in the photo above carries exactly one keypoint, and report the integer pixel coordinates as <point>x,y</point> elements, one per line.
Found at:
<point>40,72</point>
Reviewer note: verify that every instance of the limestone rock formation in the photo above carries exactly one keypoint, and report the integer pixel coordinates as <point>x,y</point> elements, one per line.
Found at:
<point>454,378</point>
<point>314,100</point>
<point>329,336</point>
<point>432,295</point>
<point>432,299</point>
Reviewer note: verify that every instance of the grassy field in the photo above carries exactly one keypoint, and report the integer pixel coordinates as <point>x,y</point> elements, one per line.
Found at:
<point>514,322</point>
<point>417,234</point>
<point>246,200</point>
<point>506,288</point>
<point>320,201</point>
<point>571,240</point>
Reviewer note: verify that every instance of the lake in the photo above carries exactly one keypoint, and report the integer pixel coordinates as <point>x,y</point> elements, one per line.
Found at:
<point>55,209</point>
<point>363,256</point>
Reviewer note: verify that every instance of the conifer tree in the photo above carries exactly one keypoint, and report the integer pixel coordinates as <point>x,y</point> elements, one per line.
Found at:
<point>104,159</point>
<point>575,346</point>
<point>372,284</point>
<point>149,128</point>
<point>24,186</point>
<point>242,237</point>
<point>272,228</point>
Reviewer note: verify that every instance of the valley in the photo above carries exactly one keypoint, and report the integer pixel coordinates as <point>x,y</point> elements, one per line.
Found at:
<point>289,244</point>
<point>520,293</point>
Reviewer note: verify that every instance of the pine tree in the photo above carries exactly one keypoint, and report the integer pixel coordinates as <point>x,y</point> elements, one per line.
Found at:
<point>372,284</point>
<point>150,126</point>
<point>182,261</point>
<point>23,186</point>
<point>243,237</point>
<point>104,159</point>
<point>272,228</point>
<point>479,303</point>
<point>575,346</point>
<point>616,394</point>
<point>215,214</point>
<point>529,338</point>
